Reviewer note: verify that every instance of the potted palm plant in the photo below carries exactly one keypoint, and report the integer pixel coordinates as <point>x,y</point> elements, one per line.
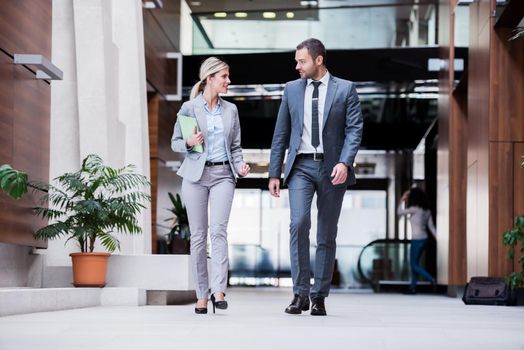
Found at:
<point>88,205</point>
<point>179,236</point>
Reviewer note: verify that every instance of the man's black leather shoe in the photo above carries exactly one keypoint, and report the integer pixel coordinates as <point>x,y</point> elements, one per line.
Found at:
<point>318,308</point>
<point>298,304</point>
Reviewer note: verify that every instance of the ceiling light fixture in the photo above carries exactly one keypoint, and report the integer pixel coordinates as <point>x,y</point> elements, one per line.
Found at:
<point>240,14</point>
<point>269,15</point>
<point>220,14</point>
<point>308,3</point>
<point>290,15</point>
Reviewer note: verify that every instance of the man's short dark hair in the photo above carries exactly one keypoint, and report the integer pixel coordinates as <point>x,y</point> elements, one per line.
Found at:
<point>314,47</point>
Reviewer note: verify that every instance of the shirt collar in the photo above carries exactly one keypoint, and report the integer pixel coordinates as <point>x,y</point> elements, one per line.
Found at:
<point>206,104</point>
<point>324,80</point>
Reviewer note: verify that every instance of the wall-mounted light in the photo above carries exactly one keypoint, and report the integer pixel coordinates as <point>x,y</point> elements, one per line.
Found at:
<point>153,4</point>
<point>45,69</point>
<point>178,96</point>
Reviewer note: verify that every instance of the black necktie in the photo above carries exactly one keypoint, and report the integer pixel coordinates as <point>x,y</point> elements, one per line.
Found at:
<point>314,115</point>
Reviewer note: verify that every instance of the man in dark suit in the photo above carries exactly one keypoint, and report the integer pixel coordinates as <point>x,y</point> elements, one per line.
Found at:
<point>320,123</point>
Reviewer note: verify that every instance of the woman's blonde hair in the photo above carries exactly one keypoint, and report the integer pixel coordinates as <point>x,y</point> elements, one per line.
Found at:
<point>209,67</point>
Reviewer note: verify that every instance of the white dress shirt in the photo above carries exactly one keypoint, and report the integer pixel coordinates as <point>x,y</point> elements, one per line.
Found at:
<point>305,143</point>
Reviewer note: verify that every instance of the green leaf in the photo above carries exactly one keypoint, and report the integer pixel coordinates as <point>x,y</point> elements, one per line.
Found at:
<point>109,242</point>
<point>519,222</point>
<point>13,182</point>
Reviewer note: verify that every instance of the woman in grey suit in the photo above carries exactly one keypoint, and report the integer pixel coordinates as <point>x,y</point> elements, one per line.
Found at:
<point>209,174</point>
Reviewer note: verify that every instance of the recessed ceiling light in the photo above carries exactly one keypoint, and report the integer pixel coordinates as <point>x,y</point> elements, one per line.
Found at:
<point>241,14</point>
<point>269,15</point>
<point>220,14</point>
<point>196,3</point>
<point>290,15</point>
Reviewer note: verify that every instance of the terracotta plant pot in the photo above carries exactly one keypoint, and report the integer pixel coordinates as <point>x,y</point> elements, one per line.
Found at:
<point>89,269</point>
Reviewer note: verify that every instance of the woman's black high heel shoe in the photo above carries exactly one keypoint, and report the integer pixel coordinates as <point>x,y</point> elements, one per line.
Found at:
<point>219,304</point>
<point>201,310</point>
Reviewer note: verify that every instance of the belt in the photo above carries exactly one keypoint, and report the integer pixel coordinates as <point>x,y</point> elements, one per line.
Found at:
<point>217,163</point>
<point>314,156</point>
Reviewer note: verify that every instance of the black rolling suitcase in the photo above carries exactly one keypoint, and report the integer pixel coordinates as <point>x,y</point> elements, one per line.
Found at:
<point>486,291</point>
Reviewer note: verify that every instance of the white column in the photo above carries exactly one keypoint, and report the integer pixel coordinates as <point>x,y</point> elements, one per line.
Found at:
<point>101,105</point>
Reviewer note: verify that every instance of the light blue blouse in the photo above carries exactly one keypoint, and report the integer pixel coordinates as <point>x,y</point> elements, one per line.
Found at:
<point>216,148</point>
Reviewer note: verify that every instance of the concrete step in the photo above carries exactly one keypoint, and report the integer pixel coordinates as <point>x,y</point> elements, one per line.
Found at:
<point>14,301</point>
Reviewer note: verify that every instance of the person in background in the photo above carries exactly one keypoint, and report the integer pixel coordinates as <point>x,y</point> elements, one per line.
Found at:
<point>209,177</point>
<point>416,207</point>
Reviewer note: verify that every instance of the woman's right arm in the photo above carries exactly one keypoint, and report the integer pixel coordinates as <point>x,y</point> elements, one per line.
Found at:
<point>407,210</point>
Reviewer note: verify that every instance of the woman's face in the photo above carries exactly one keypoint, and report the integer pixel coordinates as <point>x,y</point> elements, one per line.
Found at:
<point>220,81</point>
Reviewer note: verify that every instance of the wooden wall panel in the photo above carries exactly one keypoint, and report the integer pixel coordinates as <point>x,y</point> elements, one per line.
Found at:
<point>501,205</point>
<point>152,112</point>
<point>162,116</point>
<point>507,88</point>
<point>457,186</point>
<point>25,145</point>
<point>506,132</point>
<point>25,26</point>
<point>518,189</point>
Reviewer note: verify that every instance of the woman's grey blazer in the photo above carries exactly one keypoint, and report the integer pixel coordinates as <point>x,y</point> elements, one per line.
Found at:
<point>194,162</point>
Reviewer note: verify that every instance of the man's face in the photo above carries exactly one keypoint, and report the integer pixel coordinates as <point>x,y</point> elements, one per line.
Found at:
<point>306,66</point>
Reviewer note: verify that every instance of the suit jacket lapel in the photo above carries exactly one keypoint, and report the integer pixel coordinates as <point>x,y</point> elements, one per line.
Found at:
<point>330,95</point>
<point>200,115</point>
<point>226,119</point>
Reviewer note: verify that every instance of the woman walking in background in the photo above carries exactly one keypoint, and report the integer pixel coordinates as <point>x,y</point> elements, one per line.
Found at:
<point>213,161</point>
<point>417,208</point>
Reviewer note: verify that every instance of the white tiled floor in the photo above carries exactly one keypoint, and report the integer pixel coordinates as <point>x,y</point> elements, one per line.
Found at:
<point>255,320</point>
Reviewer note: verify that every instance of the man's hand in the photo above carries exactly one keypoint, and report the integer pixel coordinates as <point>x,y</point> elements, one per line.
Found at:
<point>274,186</point>
<point>339,174</point>
<point>196,139</point>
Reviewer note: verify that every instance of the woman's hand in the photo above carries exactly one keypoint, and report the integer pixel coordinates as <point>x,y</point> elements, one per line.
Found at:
<point>244,170</point>
<point>196,139</point>
<point>404,196</point>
